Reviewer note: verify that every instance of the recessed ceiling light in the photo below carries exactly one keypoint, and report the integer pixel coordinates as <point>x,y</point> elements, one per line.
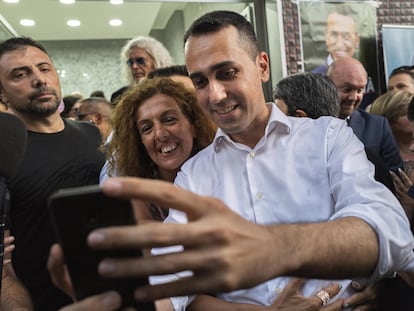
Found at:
<point>11,1</point>
<point>73,23</point>
<point>27,22</point>
<point>67,1</point>
<point>116,1</point>
<point>115,22</point>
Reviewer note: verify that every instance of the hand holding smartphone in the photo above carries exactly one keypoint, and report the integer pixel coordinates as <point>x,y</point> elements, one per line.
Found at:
<point>75,212</point>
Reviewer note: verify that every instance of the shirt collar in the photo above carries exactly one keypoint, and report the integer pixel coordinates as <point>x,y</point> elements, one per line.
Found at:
<point>329,60</point>
<point>277,121</point>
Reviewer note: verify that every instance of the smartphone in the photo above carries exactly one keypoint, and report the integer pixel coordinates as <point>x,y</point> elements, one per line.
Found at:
<point>75,212</point>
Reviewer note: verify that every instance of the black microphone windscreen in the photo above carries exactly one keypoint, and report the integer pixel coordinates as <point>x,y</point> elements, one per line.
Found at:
<point>13,136</point>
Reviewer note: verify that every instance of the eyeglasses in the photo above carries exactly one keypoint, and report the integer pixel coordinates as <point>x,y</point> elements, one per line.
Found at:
<point>139,61</point>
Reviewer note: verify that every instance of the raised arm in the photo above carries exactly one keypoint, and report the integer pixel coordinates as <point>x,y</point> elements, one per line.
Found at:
<point>226,252</point>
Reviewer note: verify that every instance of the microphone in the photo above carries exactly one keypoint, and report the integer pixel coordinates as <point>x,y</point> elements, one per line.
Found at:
<point>13,137</point>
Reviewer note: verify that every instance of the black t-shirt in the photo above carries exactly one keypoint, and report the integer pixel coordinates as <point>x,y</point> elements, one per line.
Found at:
<point>68,158</point>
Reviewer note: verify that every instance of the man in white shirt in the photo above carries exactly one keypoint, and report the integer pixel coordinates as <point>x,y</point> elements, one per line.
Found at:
<point>304,189</point>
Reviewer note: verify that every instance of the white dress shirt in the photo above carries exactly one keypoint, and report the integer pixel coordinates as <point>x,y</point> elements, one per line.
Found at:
<point>302,170</point>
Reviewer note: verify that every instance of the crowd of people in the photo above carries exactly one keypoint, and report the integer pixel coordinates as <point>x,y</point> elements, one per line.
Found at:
<point>302,203</point>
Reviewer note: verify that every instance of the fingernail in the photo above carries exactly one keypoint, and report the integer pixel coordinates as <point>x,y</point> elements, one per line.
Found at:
<point>346,305</point>
<point>96,238</point>
<point>111,300</point>
<point>106,267</point>
<point>340,286</point>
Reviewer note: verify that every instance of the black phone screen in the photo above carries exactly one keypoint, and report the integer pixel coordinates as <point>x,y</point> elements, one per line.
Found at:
<point>75,213</point>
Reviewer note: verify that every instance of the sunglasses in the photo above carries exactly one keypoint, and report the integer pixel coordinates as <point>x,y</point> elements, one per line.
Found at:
<point>139,61</point>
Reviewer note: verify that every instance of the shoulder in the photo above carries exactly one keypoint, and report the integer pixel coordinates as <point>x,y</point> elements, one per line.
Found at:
<point>82,128</point>
<point>321,125</point>
<point>376,119</point>
<point>321,69</point>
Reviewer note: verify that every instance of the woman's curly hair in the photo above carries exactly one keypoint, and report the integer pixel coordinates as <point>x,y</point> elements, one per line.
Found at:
<point>127,154</point>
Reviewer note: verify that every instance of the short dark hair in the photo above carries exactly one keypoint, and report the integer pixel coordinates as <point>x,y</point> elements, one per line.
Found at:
<point>217,20</point>
<point>409,70</point>
<point>313,93</point>
<point>18,43</point>
<point>97,93</point>
<point>166,72</point>
<point>94,100</point>
<point>69,101</point>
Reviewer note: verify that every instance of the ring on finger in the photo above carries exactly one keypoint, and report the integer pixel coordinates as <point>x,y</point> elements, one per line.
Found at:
<point>323,296</point>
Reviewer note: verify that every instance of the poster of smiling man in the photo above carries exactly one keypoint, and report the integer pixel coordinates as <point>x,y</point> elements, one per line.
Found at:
<point>332,30</point>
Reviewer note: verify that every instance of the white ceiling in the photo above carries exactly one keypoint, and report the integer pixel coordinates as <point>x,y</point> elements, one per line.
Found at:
<point>50,18</point>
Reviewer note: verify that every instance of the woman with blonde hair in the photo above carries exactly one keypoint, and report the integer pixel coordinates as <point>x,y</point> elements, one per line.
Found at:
<point>393,105</point>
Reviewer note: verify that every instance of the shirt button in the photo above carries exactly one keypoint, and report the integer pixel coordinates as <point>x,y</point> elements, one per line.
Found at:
<point>252,154</point>
<point>259,195</point>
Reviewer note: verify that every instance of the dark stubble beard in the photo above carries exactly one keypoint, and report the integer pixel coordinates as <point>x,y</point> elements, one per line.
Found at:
<point>40,108</point>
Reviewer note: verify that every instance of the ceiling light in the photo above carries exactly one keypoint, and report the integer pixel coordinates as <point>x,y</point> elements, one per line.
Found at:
<point>67,1</point>
<point>11,1</point>
<point>116,1</point>
<point>115,22</point>
<point>27,22</point>
<point>73,23</point>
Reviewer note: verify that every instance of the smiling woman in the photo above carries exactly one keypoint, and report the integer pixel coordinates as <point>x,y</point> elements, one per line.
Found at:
<point>157,126</point>
<point>166,128</point>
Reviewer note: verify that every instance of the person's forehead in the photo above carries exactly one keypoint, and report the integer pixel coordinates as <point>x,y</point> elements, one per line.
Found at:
<point>26,56</point>
<point>352,79</point>
<point>401,77</point>
<point>136,51</point>
<point>349,72</point>
<point>220,47</point>
<point>154,105</point>
<point>341,21</point>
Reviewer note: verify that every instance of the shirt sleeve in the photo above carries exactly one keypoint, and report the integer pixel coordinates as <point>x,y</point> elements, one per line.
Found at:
<point>357,194</point>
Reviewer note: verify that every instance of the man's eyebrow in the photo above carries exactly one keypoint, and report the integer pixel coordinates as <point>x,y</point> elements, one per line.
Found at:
<point>27,68</point>
<point>211,69</point>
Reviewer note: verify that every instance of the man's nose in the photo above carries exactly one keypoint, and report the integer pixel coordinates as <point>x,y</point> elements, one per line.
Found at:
<point>217,92</point>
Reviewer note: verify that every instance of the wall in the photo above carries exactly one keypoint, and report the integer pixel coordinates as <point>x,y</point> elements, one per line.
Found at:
<point>86,66</point>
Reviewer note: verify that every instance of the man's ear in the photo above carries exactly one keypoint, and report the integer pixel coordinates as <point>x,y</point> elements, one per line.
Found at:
<point>98,118</point>
<point>300,113</point>
<point>3,97</point>
<point>264,66</point>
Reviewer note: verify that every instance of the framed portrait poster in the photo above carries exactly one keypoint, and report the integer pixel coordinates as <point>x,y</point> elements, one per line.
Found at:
<point>331,30</point>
